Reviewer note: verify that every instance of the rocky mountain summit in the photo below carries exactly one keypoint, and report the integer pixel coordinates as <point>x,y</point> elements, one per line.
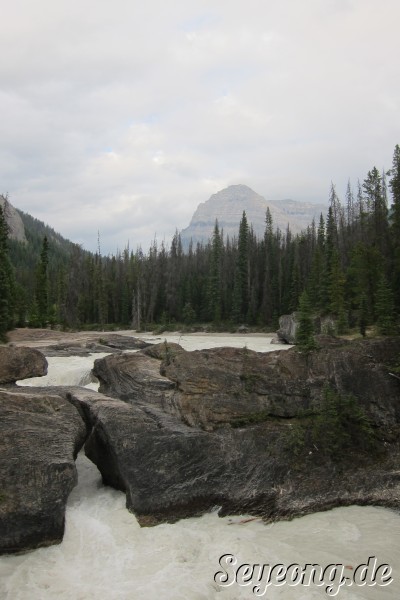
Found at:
<point>228,205</point>
<point>13,219</point>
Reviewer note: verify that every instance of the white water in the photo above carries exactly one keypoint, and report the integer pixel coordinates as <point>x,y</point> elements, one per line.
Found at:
<point>105,555</point>
<point>199,341</point>
<point>67,370</point>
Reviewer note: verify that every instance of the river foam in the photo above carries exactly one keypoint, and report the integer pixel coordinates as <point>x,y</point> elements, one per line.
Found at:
<point>106,555</point>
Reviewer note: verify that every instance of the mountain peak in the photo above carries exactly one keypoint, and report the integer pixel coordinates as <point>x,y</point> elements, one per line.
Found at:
<point>13,220</point>
<point>227,207</point>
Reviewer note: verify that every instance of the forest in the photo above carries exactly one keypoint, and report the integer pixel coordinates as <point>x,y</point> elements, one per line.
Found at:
<point>346,265</point>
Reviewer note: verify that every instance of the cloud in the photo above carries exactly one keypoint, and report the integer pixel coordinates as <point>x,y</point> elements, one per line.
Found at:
<point>122,118</point>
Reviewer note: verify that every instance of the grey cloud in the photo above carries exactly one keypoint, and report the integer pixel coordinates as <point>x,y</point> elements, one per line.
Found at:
<point>123,118</point>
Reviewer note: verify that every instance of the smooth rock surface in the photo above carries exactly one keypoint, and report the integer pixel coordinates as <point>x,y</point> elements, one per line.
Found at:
<point>215,435</point>
<point>170,470</point>
<point>13,219</point>
<point>40,436</point>
<point>219,386</point>
<point>288,325</point>
<point>21,363</point>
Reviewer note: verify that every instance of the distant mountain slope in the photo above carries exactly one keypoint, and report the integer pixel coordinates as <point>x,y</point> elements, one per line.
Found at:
<point>25,243</point>
<point>36,230</point>
<point>228,205</point>
<point>13,219</point>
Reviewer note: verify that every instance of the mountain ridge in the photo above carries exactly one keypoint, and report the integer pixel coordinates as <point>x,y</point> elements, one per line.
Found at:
<point>227,207</point>
<point>13,220</point>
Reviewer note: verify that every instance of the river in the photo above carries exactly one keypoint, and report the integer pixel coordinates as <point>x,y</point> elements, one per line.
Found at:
<point>105,555</point>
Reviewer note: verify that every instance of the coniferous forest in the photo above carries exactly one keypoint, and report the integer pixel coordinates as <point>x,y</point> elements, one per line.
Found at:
<point>346,265</point>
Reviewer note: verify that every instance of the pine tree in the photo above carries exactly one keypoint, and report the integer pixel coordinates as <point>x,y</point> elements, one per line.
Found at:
<point>363,315</point>
<point>241,283</point>
<point>7,283</point>
<point>330,248</point>
<point>42,284</point>
<point>269,283</point>
<point>376,202</point>
<point>394,184</point>
<point>215,291</point>
<point>336,293</point>
<point>305,332</point>
<point>384,307</point>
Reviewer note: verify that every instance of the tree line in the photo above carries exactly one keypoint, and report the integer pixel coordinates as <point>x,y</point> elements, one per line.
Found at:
<point>347,265</point>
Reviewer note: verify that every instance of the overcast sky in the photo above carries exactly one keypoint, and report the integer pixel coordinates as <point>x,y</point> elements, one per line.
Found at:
<point>121,116</point>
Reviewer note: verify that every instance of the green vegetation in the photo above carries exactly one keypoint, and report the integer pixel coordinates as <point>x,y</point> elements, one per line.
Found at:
<point>347,267</point>
<point>305,332</point>
<point>337,428</point>
<point>7,282</point>
<point>251,419</point>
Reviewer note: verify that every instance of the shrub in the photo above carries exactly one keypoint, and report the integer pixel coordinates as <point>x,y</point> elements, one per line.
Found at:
<point>335,428</point>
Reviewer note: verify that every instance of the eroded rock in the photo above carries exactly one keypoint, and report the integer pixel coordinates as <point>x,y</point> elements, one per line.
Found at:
<point>40,435</point>
<point>21,363</point>
<point>170,470</point>
<point>216,434</point>
<point>288,325</point>
<point>224,386</point>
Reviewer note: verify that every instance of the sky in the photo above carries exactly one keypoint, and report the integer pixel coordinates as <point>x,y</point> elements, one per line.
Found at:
<point>120,117</point>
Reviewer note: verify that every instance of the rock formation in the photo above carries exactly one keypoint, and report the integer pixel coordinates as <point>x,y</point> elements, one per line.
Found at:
<point>206,428</point>
<point>109,343</point>
<point>288,325</point>
<point>228,205</point>
<point>21,363</point>
<point>40,435</point>
<point>183,432</point>
<point>14,221</point>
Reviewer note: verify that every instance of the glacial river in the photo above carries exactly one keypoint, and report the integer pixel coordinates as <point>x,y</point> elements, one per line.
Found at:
<point>105,555</point>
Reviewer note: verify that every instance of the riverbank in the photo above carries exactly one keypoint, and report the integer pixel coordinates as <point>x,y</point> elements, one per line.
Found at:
<point>43,338</point>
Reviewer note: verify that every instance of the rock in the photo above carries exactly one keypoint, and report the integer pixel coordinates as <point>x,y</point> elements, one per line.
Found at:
<point>21,363</point>
<point>111,343</point>
<point>40,435</point>
<point>221,386</point>
<point>227,207</point>
<point>198,430</point>
<point>127,375</point>
<point>287,329</point>
<point>325,325</point>
<point>14,221</point>
<point>121,342</point>
<point>209,428</point>
<point>170,470</point>
<point>204,388</point>
<point>288,324</point>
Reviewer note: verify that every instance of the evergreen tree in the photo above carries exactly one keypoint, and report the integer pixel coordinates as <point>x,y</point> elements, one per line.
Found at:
<point>305,332</point>
<point>7,282</point>
<point>241,284</point>
<point>376,203</point>
<point>215,291</point>
<point>384,307</point>
<point>330,248</point>
<point>188,314</point>
<point>336,293</point>
<point>363,315</point>
<point>394,184</point>
<point>42,284</point>
<point>270,275</point>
